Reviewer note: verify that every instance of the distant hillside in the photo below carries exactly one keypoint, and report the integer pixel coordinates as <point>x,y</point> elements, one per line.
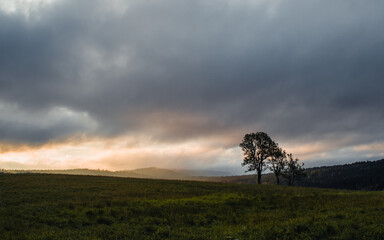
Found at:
<point>356,176</point>
<point>83,172</point>
<point>158,173</point>
<point>151,172</point>
<point>199,173</point>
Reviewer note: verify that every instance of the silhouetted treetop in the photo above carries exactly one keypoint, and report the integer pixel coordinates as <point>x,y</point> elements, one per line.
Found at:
<point>261,152</point>
<point>257,147</point>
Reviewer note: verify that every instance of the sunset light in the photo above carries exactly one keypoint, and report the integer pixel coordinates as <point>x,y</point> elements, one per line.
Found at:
<point>191,120</point>
<point>131,84</point>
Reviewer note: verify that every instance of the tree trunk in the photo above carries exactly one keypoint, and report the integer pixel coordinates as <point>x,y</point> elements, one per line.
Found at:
<point>258,176</point>
<point>277,179</point>
<point>291,179</point>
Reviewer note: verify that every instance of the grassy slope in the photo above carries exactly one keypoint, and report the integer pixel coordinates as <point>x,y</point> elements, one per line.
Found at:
<point>86,207</point>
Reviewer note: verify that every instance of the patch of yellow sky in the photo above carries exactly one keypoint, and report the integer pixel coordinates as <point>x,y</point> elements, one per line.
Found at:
<point>130,152</point>
<point>112,154</point>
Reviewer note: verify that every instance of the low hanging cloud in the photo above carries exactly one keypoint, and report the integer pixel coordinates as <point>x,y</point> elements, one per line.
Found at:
<point>308,73</point>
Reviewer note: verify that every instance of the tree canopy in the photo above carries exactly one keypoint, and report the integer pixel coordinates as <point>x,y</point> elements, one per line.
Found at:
<point>257,147</point>
<point>261,153</point>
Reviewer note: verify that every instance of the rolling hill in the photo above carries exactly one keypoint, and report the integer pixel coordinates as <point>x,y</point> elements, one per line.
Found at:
<point>356,176</point>
<point>150,173</point>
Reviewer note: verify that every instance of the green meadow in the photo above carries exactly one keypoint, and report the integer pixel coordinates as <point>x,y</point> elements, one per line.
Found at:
<point>37,206</point>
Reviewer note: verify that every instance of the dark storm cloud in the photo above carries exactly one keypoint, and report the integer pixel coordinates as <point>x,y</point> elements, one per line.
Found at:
<point>299,70</point>
<point>39,126</point>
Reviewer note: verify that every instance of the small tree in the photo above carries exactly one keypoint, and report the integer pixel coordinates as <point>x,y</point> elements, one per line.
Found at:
<point>277,161</point>
<point>257,148</point>
<point>294,169</point>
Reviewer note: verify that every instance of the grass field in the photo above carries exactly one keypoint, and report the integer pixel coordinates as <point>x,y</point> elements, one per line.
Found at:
<point>34,206</point>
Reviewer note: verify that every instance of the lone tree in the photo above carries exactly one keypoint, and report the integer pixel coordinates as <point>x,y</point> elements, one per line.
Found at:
<point>277,161</point>
<point>294,169</point>
<point>257,148</point>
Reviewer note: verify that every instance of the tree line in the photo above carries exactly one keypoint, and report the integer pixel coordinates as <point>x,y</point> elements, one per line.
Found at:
<point>354,176</point>
<point>262,153</point>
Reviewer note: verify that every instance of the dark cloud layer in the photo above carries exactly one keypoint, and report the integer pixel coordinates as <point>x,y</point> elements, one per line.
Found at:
<point>176,70</point>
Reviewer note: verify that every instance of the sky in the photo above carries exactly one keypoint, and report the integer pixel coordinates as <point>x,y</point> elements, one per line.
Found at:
<point>125,84</point>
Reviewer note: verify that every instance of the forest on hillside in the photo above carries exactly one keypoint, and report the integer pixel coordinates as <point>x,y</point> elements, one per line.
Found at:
<point>356,176</point>
<point>366,175</point>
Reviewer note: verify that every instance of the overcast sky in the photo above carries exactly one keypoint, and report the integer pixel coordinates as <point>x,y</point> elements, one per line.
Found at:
<point>123,84</point>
